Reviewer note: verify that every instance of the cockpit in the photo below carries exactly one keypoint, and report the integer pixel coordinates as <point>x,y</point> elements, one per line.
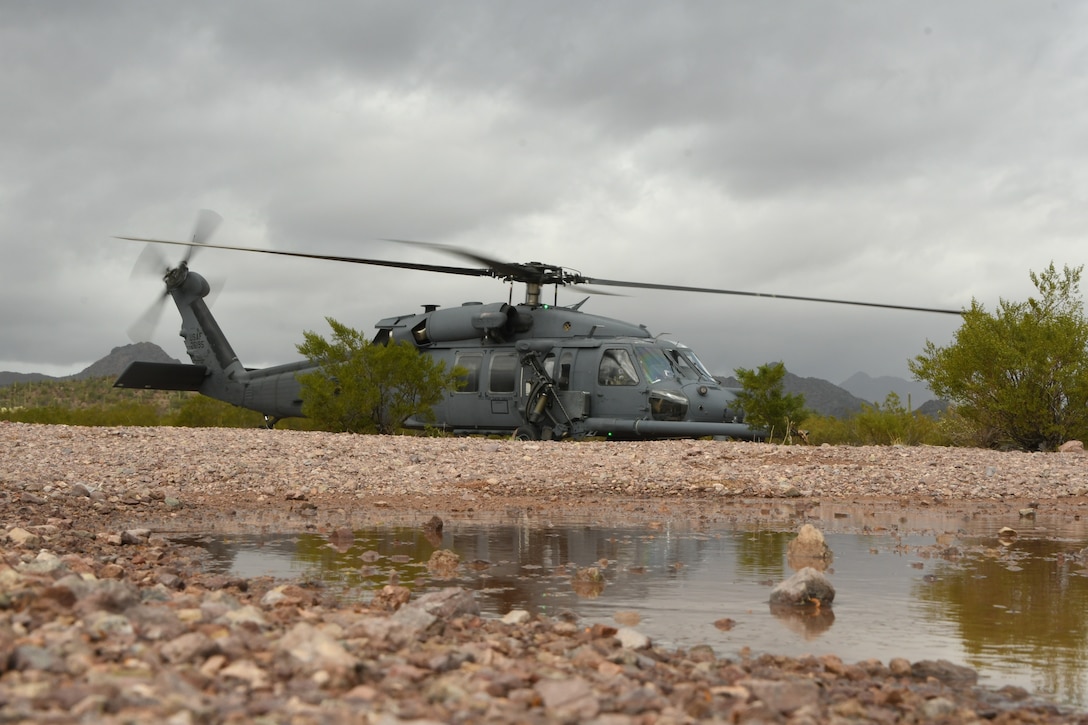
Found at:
<point>671,363</point>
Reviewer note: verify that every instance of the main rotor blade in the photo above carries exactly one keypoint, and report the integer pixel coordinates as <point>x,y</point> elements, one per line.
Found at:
<point>711,290</point>
<point>467,271</point>
<point>531,273</point>
<point>502,269</point>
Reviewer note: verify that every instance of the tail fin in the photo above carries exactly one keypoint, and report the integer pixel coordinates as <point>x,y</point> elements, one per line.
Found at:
<point>204,340</point>
<point>216,370</point>
<point>274,391</point>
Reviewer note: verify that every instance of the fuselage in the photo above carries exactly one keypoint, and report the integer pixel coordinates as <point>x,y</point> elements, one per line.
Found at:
<point>536,370</point>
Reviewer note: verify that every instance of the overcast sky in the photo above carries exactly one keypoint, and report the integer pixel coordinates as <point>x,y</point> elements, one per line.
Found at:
<point>916,153</point>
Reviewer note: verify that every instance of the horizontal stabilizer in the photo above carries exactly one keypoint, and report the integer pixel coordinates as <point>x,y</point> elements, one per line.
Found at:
<point>162,376</point>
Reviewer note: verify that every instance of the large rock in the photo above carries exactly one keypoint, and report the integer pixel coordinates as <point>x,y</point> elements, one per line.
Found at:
<point>808,587</point>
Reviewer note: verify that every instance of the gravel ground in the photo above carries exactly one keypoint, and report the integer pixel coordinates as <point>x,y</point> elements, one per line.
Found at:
<point>105,620</point>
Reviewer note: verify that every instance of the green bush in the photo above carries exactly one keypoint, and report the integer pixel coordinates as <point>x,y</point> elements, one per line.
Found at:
<point>893,424</point>
<point>201,411</point>
<point>360,387</point>
<point>124,413</point>
<point>1018,376</point>
<point>882,424</point>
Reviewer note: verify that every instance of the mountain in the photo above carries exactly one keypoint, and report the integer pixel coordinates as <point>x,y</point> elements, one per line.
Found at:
<point>821,397</point>
<point>109,366</point>
<point>875,390</point>
<point>119,359</point>
<point>9,378</point>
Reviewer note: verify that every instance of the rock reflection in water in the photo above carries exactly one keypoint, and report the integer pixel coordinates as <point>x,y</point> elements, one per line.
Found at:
<point>588,582</point>
<point>1017,613</point>
<point>810,622</point>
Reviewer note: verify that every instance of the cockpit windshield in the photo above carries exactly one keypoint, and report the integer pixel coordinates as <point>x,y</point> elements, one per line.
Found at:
<point>671,363</point>
<point>687,365</point>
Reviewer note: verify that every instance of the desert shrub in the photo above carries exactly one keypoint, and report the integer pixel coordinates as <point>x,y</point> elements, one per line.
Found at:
<point>828,429</point>
<point>124,413</point>
<point>892,424</point>
<point>883,424</point>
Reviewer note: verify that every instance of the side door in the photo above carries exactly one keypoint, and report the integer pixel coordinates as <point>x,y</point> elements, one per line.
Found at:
<point>504,377</point>
<point>486,395</point>
<point>462,407</point>
<point>620,391</point>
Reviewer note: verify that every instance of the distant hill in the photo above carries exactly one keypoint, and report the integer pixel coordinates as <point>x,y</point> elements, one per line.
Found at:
<point>9,378</point>
<point>875,390</point>
<point>120,357</point>
<point>109,366</point>
<point>821,397</point>
<point>933,408</point>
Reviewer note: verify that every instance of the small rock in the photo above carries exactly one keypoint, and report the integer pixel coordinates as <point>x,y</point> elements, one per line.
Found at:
<point>809,549</point>
<point>100,625</point>
<point>244,615</point>
<point>30,657</point>
<point>806,587</point>
<point>938,707</point>
<point>784,695</point>
<point>568,698</point>
<point>1073,446</point>
<point>135,536</point>
<point>391,597</point>
<point>944,671</point>
<point>444,563</point>
<point>316,649</point>
<point>247,671</point>
<point>23,538</point>
<point>188,648</point>
<point>632,638</point>
<point>516,616</point>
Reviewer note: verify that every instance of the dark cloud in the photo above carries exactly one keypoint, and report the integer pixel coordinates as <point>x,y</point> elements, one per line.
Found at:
<point>913,153</point>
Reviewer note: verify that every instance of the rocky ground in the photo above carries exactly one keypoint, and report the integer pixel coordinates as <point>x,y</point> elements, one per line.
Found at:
<point>106,620</point>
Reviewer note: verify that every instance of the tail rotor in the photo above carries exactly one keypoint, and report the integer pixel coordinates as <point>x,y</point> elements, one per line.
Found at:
<point>152,261</point>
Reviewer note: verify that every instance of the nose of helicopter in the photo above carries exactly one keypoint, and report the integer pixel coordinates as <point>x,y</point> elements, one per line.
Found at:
<point>712,404</point>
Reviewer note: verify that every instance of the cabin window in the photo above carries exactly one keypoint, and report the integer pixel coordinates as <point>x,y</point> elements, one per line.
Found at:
<point>560,377</point>
<point>469,379</point>
<point>566,362</point>
<point>654,364</point>
<point>616,368</point>
<point>504,368</point>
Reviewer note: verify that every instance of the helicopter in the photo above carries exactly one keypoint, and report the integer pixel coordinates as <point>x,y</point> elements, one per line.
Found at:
<point>532,370</point>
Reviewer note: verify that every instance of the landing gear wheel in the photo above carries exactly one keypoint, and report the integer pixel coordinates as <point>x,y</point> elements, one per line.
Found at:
<point>527,432</point>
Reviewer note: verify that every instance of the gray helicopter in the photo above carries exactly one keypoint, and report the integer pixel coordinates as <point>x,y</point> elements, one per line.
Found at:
<point>532,370</point>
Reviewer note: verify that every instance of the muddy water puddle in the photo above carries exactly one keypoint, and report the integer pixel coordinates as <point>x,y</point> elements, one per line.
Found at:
<point>943,587</point>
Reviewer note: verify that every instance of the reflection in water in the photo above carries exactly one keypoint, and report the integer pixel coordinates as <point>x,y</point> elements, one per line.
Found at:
<point>1016,613</point>
<point>809,622</point>
<point>1023,603</point>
